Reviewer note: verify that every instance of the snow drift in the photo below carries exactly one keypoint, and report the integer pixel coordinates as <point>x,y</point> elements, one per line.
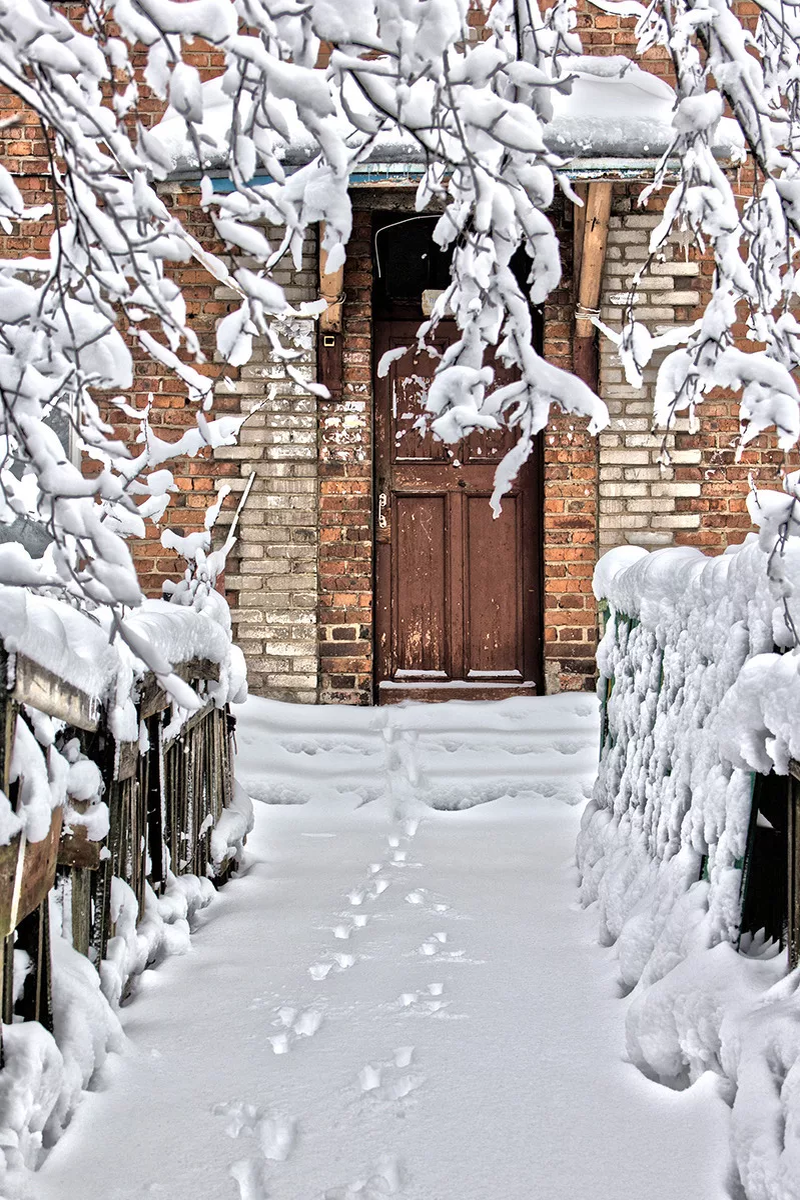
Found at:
<point>701,682</point>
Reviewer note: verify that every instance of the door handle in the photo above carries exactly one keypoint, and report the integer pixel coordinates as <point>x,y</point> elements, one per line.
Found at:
<point>383,505</point>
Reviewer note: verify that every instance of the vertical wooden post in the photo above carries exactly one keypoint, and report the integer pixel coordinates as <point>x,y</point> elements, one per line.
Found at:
<point>80,879</point>
<point>578,227</point>
<point>33,936</point>
<point>154,808</point>
<point>329,342</point>
<point>592,257</point>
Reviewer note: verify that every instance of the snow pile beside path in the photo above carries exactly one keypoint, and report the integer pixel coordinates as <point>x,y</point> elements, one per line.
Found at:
<point>689,665</point>
<point>45,1074</point>
<point>163,929</point>
<point>229,834</point>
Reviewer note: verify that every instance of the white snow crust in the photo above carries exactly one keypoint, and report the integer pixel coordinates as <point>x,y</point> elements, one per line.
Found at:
<point>700,697</point>
<point>398,995</point>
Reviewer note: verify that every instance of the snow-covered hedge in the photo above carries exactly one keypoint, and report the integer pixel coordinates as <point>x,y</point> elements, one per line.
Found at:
<point>700,674</point>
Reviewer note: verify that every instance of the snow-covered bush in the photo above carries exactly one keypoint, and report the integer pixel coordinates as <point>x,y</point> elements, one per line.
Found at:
<point>701,677</point>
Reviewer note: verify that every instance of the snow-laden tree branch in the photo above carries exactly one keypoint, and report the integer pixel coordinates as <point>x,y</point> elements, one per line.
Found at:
<point>68,320</point>
<point>475,112</point>
<point>755,240</point>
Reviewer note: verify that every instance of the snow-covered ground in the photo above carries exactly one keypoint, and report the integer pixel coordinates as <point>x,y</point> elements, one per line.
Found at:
<point>394,999</point>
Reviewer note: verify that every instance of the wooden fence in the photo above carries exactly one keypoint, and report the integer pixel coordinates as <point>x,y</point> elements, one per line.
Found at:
<point>163,803</point>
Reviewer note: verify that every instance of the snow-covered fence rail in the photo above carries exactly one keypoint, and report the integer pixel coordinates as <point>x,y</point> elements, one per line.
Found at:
<point>690,844</point>
<point>118,814</point>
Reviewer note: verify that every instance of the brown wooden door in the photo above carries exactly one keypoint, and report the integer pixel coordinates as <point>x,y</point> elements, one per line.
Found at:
<point>458,605</point>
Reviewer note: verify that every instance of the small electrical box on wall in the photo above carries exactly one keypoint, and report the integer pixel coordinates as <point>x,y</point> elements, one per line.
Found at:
<point>329,361</point>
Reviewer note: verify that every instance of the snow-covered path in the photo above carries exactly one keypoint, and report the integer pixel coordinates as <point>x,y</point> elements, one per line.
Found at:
<point>395,1000</point>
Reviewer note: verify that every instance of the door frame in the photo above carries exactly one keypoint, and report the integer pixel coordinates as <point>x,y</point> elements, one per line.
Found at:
<point>533,630</point>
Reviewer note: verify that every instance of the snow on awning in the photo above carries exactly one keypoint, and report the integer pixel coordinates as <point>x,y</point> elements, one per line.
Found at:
<point>615,121</point>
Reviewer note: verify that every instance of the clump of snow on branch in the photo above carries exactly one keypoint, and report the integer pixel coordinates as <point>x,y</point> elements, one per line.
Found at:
<point>702,677</point>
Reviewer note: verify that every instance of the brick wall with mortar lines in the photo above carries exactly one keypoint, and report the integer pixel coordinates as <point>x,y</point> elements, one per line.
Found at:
<point>570,504</point>
<point>639,497</point>
<point>271,580</point>
<point>345,494</point>
<point>699,496</point>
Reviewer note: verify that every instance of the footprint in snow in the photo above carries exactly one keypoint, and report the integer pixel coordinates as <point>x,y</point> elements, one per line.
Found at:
<point>355,897</point>
<point>403,1056</point>
<point>304,1025</point>
<point>320,970</point>
<point>369,1078</point>
<point>342,932</point>
<point>417,897</point>
<point>422,1003</point>
<point>274,1132</point>
<point>381,886</point>
<point>402,1087</point>
<point>308,1023</point>
<point>251,1176</point>
<point>344,961</point>
<point>568,747</point>
<point>275,1136</point>
<point>360,920</point>
<point>373,1082</point>
<point>383,1178</point>
<point>400,856</point>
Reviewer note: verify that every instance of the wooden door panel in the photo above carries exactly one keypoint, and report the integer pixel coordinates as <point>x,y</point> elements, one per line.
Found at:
<point>493,591</point>
<point>486,446</point>
<point>409,378</point>
<point>458,596</point>
<point>420,607</point>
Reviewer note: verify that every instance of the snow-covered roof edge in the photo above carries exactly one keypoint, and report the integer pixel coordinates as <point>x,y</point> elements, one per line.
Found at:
<point>615,115</point>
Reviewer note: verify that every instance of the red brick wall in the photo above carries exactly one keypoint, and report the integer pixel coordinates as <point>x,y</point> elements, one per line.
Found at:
<point>570,506</point>
<point>346,468</point>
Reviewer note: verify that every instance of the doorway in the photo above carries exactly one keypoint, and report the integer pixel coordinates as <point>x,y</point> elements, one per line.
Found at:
<point>458,592</point>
